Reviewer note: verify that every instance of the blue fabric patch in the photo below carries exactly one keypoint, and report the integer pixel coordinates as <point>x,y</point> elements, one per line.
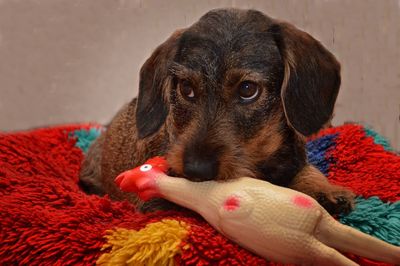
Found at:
<point>85,137</point>
<point>316,150</point>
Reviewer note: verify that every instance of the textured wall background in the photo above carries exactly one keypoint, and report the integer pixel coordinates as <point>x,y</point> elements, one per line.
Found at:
<point>73,61</point>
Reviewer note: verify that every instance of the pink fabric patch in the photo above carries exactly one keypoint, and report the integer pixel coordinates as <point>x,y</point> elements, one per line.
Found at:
<point>231,203</point>
<point>302,201</point>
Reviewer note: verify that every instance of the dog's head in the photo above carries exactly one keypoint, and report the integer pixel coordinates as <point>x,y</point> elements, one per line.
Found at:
<point>236,93</point>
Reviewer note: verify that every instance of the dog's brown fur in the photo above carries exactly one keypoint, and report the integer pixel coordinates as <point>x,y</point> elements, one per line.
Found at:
<point>217,134</point>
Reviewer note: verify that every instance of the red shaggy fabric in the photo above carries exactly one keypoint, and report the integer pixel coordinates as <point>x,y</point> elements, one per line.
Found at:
<point>47,220</point>
<point>368,169</point>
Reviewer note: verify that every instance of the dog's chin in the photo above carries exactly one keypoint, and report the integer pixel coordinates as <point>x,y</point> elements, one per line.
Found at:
<point>222,175</point>
<point>172,172</point>
<point>236,173</point>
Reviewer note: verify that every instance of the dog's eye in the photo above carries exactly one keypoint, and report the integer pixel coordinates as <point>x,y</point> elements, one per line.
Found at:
<point>248,91</point>
<point>186,89</point>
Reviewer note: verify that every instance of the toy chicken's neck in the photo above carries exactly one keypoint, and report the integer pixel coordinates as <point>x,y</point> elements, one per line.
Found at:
<point>200,197</point>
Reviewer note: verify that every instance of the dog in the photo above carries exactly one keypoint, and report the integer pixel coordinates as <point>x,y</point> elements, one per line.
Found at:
<point>235,94</point>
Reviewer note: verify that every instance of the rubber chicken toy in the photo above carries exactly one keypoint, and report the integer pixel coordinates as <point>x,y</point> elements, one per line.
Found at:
<point>274,222</point>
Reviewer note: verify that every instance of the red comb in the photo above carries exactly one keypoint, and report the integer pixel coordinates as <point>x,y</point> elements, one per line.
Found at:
<point>158,162</point>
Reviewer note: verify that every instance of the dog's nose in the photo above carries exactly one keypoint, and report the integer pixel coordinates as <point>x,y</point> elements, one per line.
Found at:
<point>200,168</point>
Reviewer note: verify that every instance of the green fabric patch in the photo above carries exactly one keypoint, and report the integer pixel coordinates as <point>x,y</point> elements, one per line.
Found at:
<point>85,137</point>
<point>378,139</point>
<point>376,218</point>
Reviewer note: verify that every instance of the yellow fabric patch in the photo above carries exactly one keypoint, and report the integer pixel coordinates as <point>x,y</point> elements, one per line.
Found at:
<point>156,244</point>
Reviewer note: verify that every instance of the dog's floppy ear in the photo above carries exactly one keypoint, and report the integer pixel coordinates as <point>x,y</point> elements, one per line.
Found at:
<point>152,109</point>
<point>312,79</point>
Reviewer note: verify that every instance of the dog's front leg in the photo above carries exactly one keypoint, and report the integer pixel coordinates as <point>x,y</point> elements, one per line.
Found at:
<point>335,199</point>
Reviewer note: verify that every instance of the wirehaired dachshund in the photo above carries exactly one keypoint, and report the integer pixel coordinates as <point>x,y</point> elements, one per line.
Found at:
<point>235,94</point>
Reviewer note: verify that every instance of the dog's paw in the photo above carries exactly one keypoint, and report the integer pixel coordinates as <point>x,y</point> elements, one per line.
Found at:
<point>338,200</point>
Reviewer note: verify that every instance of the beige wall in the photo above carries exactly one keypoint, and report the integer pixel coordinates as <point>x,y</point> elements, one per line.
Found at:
<point>72,61</point>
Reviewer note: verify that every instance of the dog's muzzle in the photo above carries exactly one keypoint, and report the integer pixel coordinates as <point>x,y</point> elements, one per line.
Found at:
<point>200,168</point>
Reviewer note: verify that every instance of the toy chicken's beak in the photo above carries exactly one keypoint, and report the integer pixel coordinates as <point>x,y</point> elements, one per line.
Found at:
<point>127,181</point>
<point>143,183</point>
<point>119,179</point>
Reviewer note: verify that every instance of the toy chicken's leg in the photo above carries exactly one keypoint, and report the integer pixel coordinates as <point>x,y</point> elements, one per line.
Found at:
<point>325,255</point>
<point>348,239</point>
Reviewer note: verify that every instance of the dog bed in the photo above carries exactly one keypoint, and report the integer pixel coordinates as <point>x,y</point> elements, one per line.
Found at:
<point>47,220</point>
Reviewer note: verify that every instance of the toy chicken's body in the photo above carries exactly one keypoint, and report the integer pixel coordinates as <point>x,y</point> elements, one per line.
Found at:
<point>276,223</point>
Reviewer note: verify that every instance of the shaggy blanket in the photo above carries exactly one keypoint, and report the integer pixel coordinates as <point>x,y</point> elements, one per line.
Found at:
<point>47,220</point>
